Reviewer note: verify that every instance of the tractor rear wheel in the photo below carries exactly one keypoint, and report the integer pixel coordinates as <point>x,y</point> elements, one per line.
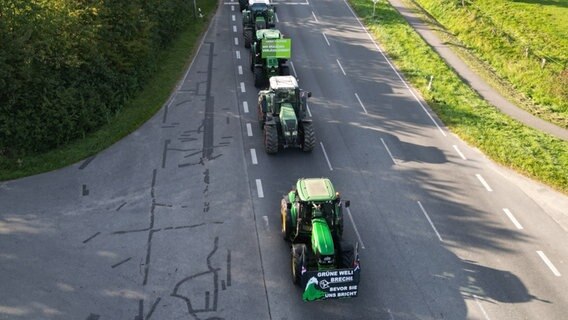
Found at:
<point>286,220</point>
<point>299,259</point>
<point>258,77</point>
<point>270,139</point>
<point>347,255</point>
<point>284,71</point>
<point>309,138</point>
<point>248,38</point>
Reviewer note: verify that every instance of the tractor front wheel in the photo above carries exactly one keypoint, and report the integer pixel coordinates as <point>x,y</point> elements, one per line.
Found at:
<point>309,138</point>
<point>258,77</point>
<point>248,38</point>
<point>299,258</point>
<point>270,139</point>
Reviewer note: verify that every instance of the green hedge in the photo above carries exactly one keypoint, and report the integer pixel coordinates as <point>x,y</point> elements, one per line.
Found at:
<point>68,66</point>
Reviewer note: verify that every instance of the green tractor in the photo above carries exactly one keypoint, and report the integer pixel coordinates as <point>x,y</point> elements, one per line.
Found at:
<point>257,16</point>
<point>312,220</point>
<point>282,115</point>
<point>269,56</point>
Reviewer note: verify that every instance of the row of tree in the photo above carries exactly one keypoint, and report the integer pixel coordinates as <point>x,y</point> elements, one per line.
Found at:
<point>67,66</point>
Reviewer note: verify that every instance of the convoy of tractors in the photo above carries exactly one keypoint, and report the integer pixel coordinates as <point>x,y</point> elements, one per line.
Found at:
<point>325,266</point>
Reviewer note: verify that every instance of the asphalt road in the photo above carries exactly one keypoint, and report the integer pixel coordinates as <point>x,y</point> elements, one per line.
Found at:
<point>180,220</point>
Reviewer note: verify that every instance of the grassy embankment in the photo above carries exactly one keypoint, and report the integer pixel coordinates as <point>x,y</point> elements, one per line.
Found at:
<point>506,41</point>
<point>506,141</point>
<point>138,110</point>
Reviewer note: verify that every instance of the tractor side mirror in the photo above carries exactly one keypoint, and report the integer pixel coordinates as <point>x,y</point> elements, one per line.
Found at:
<point>309,94</point>
<point>347,203</point>
<point>288,205</point>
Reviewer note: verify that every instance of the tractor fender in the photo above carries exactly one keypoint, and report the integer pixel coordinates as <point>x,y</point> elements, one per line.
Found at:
<point>306,121</point>
<point>270,121</point>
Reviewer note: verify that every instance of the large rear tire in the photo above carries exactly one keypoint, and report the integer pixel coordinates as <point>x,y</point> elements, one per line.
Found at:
<point>299,259</point>
<point>286,220</point>
<point>309,138</point>
<point>270,139</point>
<point>347,255</point>
<point>260,116</point>
<point>248,38</point>
<point>258,77</point>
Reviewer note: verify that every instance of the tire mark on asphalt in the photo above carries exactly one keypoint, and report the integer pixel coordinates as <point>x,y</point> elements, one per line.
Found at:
<point>121,262</point>
<point>91,237</point>
<point>86,162</point>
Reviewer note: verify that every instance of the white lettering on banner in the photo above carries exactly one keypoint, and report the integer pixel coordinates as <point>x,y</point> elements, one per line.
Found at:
<point>346,294</point>
<point>330,295</point>
<point>327,274</point>
<point>334,289</point>
<point>340,279</point>
<point>346,272</point>
<point>352,287</point>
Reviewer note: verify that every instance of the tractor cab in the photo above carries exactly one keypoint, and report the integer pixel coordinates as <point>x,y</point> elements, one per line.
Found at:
<point>286,93</point>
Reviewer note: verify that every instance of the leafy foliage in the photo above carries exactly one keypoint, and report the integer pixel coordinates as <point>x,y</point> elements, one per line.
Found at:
<point>68,66</point>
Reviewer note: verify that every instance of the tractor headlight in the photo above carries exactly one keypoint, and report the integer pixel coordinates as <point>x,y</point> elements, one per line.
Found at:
<point>287,133</point>
<point>326,260</point>
<point>294,132</point>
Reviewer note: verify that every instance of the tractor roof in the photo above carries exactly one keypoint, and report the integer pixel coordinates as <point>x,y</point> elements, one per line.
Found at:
<point>251,2</point>
<point>269,34</point>
<point>283,82</point>
<point>315,189</point>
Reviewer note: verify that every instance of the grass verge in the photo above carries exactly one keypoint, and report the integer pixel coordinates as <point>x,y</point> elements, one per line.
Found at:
<point>512,38</point>
<point>503,139</point>
<point>136,112</point>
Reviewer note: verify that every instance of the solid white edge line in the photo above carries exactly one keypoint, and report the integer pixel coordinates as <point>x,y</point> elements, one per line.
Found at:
<point>249,130</point>
<point>325,37</point>
<point>253,156</point>
<point>388,151</point>
<point>512,218</point>
<point>240,69</point>
<point>395,71</point>
<point>243,87</point>
<point>326,158</point>
<point>309,111</point>
<point>238,53</point>
<point>481,307</point>
<point>315,18</point>
<point>355,228</point>
<point>234,28</point>
<point>459,152</point>
<point>361,103</point>
<point>293,69</point>
<point>483,182</point>
<point>259,190</point>
<point>340,67</point>
<point>236,41</point>
<point>429,220</point>
<point>548,263</point>
<point>246,107</point>
<point>276,16</point>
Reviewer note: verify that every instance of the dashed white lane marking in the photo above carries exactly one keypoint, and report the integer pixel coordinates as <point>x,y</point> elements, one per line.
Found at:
<point>232,8</point>
<point>276,16</point>
<point>325,37</point>
<point>483,182</point>
<point>512,218</point>
<point>459,152</point>
<point>430,221</point>
<point>309,111</point>
<point>388,151</point>
<point>355,228</point>
<point>340,67</point>
<point>243,87</point>
<point>233,17</point>
<point>481,307</point>
<point>238,53</point>
<point>361,103</point>
<point>236,41</point>
<point>265,219</point>
<point>253,156</point>
<point>314,15</point>
<point>249,130</point>
<point>234,28</point>
<point>326,158</point>
<point>293,69</point>
<point>259,188</point>
<point>246,107</point>
<point>394,69</point>
<point>548,263</point>
<point>240,69</point>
